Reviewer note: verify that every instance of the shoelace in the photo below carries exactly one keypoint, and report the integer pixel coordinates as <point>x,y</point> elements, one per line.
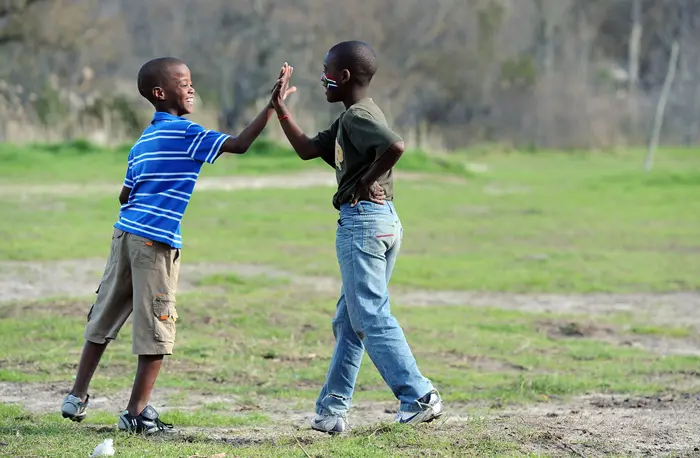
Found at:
<point>162,425</point>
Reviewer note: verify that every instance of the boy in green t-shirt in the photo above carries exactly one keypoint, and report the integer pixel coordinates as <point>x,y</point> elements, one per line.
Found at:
<point>363,150</point>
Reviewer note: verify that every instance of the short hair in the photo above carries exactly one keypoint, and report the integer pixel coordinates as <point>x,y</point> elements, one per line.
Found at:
<point>358,57</point>
<point>155,73</point>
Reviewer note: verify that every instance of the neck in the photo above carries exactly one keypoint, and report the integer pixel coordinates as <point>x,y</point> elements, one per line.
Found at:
<point>165,109</point>
<point>355,96</point>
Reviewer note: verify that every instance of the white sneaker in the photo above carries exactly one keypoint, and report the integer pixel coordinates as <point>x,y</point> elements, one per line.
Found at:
<point>74,408</point>
<point>331,424</point>
<point>431,405</point>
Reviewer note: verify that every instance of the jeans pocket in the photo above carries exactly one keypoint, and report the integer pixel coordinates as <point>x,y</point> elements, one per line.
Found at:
<point>380,236</point>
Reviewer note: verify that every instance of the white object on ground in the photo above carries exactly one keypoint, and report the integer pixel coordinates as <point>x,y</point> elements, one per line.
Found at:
<point>104,449</point>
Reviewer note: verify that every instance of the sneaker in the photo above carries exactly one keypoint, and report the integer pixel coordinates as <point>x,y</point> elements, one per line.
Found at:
<point>331,424</point>
<point>74,408</point>
<point>431,405</point>
<point>147,422</point>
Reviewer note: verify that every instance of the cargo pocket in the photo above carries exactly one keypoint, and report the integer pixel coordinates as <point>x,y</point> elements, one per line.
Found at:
<point>164,316</point>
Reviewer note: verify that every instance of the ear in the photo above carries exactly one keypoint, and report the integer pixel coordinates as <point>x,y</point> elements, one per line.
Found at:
<point>158,93</point>
<point>345,76</point>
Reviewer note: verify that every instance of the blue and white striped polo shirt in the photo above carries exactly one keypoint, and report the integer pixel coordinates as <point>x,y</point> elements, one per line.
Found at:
<point>162,170</point>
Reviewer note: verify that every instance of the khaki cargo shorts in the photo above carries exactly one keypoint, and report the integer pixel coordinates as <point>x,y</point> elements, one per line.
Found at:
<point>140,277</point>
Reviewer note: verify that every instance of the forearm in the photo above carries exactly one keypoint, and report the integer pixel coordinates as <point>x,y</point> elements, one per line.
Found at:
<point>297,138</point>
<point>241,143</point>
<point>383,163</point>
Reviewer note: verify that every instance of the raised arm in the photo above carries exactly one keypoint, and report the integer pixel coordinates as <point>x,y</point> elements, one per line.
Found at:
<point>305,147</point>
<point>241,143</point>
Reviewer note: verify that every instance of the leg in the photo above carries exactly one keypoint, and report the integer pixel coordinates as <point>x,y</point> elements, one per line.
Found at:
<point>105,318</point>
<point>366,268</point>
<point>336,394</point>
<point>146,375</point>
<point>155,269</point>
<point>109,313</point>
<point>92,353</point>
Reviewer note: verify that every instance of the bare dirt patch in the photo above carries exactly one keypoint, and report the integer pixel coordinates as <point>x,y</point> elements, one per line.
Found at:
<point>678,309</point>
<point>478,362</point>
<point>586,330</point>
<point>599,425</point>
<point>33,280</point>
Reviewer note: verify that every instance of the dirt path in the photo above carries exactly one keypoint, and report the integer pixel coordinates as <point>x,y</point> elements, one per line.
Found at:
<point>31,280</point>
<point>286,181</point>
<point>227,183</point>
<point>590,426</point>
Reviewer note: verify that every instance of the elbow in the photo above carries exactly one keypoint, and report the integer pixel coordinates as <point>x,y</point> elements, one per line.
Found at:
<point>240,148</point>
<point>235,145</point>
<point>398,149</point>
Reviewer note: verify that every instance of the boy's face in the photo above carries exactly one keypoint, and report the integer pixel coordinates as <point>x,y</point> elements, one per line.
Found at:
<point>177,91</point>
<point>333,79</point>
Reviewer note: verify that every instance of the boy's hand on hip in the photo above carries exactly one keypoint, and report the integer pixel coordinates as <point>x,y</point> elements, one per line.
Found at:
<point>281,90</point>
<point>373,193</point>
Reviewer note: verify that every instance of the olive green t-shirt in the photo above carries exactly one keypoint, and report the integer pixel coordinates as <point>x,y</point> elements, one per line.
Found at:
<point>353,142</point>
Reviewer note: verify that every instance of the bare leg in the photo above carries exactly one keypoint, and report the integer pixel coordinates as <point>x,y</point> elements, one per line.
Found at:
<point>89,360</point>
<point>146,375</point>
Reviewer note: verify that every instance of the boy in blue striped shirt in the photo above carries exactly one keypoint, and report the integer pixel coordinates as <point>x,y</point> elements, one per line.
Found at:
<point>142,268</point>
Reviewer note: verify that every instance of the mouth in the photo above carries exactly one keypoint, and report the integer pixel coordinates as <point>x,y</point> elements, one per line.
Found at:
<point>189,100</point>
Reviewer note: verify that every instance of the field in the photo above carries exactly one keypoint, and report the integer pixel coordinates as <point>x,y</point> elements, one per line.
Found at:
<point>551,297</point>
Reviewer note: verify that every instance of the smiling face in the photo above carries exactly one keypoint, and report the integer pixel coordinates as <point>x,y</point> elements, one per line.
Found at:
<point>174,91</point>
<point>178,91</point>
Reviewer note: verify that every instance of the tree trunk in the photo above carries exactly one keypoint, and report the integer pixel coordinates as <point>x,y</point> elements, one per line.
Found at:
<point>635,46</point>
<point>661,106</point>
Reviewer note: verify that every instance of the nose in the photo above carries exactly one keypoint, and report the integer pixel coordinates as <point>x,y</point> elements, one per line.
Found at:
<point>191,90</point>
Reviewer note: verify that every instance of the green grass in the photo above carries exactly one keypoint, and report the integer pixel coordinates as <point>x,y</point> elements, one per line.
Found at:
<point>81,162</point>
<point>532,223</point>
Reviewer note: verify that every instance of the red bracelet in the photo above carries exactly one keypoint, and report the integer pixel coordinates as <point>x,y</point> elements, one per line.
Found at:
<point>282,118</point>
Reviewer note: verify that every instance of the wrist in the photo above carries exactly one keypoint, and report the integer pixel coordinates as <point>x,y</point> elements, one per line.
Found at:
<point>283,114</point>
<point>281,109</point>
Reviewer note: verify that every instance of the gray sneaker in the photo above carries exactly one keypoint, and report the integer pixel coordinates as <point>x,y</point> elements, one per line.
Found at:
<point>431,408</point>
<point>147,422</point>
<point>74,408</point>
<point>331,424</point>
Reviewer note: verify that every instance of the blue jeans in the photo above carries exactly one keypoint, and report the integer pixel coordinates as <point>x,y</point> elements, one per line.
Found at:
<point>368,240</point>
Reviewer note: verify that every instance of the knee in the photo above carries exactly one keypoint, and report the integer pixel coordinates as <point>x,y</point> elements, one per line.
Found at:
<point>357,328</point>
